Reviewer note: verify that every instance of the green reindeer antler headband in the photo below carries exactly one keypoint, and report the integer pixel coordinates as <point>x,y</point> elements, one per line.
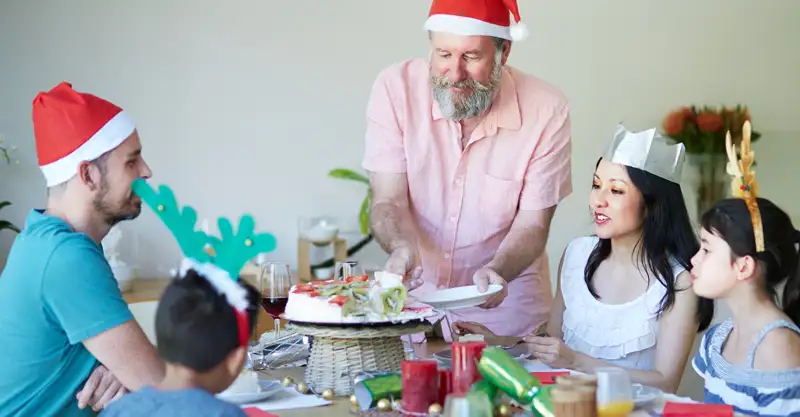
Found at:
<point>231,252</point>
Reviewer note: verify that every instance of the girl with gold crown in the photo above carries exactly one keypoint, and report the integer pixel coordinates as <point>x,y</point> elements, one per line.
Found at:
<point>624,295</point>
<point>748,250</point>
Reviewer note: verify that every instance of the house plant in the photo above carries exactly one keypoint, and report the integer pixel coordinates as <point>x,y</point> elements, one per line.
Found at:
<point>702,130</point>
<point>5,155</point>
<point>363,214</point>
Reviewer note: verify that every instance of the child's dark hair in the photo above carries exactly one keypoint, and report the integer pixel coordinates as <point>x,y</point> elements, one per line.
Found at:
<point>195,325</point>
<point>730,220</point>
<point>667,237</point>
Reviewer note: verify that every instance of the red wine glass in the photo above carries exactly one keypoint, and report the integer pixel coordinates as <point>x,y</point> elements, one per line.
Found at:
<point>276,281</point>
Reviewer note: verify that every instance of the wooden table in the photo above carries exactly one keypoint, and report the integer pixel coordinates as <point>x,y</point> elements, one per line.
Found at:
<point>341,405</point>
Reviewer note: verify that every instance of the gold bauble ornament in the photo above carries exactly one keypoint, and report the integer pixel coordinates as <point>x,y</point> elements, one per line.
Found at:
<point>384,404</point>
<point>503,410</point>
<point>328,394</point>
<point>288,381</point>
<point>354,400</point>
<point>434,409</point>
<point>302,388</point>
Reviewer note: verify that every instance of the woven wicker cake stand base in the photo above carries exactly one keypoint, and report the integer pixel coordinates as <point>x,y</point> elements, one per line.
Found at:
<point>338,353</point>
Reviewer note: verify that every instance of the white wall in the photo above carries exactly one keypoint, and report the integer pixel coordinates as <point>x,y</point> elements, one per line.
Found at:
<point>267,96</point>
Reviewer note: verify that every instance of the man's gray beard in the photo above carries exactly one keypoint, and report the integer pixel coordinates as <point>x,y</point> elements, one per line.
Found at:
<point>455,106</point>
<point>111,216</point>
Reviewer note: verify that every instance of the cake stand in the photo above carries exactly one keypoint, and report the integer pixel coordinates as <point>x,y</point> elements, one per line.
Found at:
<point>340,351</point>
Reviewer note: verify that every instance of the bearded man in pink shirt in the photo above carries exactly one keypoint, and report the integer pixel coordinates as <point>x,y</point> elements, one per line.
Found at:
<point>468,159</point>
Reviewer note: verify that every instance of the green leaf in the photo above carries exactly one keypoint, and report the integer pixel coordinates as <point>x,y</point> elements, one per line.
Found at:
<point>4,204</point>
<point>180,222</point>
<point>348,174</point>
<point>5,224</point>
<point>363,215</point>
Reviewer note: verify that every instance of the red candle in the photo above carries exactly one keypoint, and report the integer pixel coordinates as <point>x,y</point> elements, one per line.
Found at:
<point>445,385</point>
<point>465,365</point>
<point>420,384</point>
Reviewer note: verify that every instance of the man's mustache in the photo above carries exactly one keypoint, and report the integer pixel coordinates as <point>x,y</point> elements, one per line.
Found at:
<point>443,82</point>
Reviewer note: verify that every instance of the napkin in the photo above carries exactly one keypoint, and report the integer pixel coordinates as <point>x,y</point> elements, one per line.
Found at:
<point>288,399</point>
<point>673,409</point>
<point>548,378</point>
<point>255,412</point>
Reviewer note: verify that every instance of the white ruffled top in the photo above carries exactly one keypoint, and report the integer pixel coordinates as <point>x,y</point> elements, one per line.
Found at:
<point>621,334</point>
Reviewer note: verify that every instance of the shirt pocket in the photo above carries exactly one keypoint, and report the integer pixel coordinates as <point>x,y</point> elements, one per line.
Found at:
<point>498,201</point>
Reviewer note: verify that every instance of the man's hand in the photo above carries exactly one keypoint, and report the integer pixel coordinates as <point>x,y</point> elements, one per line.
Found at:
<point>485,277</point>
<point>405,261</point>
<point>100,389</point>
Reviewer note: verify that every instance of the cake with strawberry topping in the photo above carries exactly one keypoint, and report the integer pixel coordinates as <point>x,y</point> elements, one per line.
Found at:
<point>356,299</point>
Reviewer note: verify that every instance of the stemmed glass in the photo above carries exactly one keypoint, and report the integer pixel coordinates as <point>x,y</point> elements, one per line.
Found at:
<point>347,269</point>
<point>275,282</point>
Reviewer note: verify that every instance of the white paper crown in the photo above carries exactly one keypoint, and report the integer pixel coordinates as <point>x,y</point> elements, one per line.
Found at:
<point>648,151</point>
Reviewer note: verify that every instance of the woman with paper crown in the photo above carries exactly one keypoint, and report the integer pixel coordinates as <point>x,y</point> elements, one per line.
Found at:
<point>468,158</point>
<point>624,296</point>
<point>748,251</point>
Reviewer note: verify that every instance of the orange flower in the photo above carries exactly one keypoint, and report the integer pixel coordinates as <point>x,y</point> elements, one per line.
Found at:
<point>674,122</point>
<point>709,121</point>
<point>688,113</point>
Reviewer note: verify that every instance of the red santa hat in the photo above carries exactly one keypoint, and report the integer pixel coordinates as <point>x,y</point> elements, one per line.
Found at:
<point>477,17</point>
<point>72,127</point>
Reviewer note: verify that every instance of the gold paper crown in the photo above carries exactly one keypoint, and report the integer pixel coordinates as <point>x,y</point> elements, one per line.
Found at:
<point>744,184</point>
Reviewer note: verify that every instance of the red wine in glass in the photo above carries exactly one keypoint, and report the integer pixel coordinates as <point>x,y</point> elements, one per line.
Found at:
<point>274,306</point>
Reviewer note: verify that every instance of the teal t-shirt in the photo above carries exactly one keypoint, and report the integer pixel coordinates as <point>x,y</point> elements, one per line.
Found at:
<point>56,291</point>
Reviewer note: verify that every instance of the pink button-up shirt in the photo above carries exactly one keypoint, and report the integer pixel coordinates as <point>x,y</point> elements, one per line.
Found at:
<point>464,201</point>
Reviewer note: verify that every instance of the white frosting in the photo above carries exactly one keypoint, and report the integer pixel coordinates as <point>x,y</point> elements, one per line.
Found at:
<point>303,308</point>
<point>388,279</point>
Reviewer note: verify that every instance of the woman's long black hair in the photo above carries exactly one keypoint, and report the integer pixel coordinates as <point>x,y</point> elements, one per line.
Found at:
<point>667,237</point>
<point>730,220</point>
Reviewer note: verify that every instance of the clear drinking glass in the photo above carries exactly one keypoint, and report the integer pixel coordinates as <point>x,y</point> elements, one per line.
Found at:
<point>467,405</point>
<point>346,270</point>
<point>614,396</point>
<point>275,282</point>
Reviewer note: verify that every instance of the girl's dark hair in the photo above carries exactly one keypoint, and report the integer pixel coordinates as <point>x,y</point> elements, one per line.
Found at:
<point>195,325</point>
<point>667,238</point>
<point>730,220</point>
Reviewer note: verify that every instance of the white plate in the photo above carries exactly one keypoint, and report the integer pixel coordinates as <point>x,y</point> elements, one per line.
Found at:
<point>266,390</point>
<point>458,297</point>
<point>643,394</point>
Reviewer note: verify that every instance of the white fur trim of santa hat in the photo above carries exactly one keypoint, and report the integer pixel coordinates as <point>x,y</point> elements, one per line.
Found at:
<point>111,135</point>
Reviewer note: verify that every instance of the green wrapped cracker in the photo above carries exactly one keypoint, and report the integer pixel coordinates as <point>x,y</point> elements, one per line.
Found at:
<point>371,390</point>
<point>508,375</point>
<point>542,405</point>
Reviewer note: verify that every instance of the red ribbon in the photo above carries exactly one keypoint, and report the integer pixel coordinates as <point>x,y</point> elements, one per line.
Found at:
<point>244,326</point>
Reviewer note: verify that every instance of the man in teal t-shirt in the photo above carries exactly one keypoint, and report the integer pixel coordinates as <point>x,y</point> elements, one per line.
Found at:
<point>61,311</point>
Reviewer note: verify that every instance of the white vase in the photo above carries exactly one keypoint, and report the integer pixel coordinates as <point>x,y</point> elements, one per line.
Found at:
<point>124,275</point>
